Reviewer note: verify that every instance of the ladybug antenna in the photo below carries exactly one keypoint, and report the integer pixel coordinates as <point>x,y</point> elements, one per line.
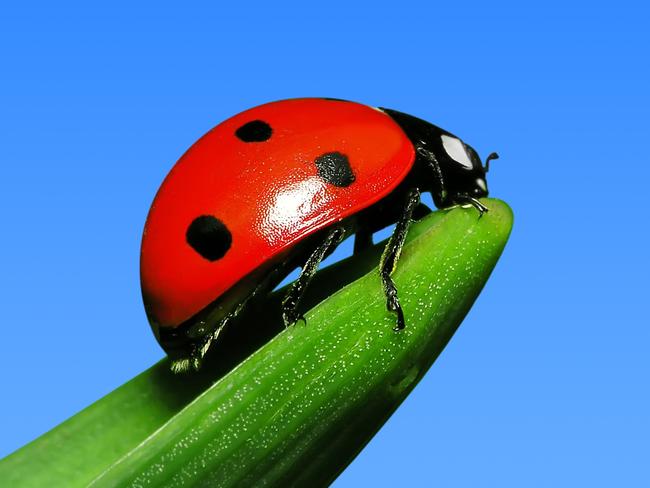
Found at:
<point>490,157</point>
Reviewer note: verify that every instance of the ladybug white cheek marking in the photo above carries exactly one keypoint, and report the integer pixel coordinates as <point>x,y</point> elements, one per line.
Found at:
<point>480,182</point>
<point>456,151</point>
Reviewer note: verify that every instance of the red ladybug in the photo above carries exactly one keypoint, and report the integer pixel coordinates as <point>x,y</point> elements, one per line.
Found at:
<point>280,186</point>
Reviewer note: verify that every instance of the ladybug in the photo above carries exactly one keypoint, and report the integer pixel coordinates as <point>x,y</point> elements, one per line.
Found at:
<point>278,187</point>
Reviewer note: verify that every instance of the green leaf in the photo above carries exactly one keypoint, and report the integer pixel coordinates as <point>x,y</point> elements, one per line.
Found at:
<point>300,408</point>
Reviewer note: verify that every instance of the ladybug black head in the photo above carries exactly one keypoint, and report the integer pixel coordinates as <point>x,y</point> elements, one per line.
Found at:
<point>454,169</point>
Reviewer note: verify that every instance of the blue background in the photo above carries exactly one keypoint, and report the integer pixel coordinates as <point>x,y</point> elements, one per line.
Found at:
<point>546,382</point>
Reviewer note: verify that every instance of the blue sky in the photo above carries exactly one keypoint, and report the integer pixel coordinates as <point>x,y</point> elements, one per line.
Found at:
<point>545,383</point>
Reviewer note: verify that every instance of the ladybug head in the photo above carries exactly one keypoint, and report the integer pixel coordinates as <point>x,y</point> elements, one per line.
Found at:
<point>453,167</point>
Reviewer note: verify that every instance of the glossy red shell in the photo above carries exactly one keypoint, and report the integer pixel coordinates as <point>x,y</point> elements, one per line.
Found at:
<point>269,195</point>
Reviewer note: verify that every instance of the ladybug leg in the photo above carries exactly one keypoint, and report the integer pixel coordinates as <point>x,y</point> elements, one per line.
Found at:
<point>421,211</point>
<point>292,300</point>
<point>391,255</point>
<point>362,240</point>
<point>468,200</point>
<point>429,158</point>
<point>363,235</point>
<point>200,349</point>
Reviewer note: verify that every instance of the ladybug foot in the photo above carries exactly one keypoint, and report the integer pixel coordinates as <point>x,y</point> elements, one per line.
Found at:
<point>482,209</point>
<point>195,358</point>
<point>191,363</point>
<point>393,306</point>
<point>467,200</point>
<point>291,317</point>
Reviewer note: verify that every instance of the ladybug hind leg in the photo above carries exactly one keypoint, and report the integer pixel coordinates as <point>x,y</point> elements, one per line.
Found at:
<point>391,255</point>
<point>294,296</point>
<point>195,358</point>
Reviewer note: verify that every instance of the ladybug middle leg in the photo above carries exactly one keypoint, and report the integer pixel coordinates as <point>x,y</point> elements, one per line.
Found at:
<point>292,300</point>
<point>363,235</point>
<point>362,240</point>
<point>391,255</point>
<point>420,211</point>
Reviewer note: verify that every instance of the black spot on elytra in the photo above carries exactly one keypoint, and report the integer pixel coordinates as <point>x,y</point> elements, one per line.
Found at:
<point>254,131</point>
<point>334,168</point>
<point>209,237</point>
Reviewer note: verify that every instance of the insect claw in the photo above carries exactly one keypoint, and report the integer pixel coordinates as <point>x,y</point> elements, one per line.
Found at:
<point>401,324</point>
<point>478,206</point>
<point>292,318</point>
<point>468,200</point>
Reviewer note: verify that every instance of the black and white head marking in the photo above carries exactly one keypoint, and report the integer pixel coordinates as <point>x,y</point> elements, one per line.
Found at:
<point>455,149</point>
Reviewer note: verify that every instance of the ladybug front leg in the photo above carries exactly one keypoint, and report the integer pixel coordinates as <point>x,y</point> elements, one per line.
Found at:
<point>464,199</point>
<point>292,300</point>
<point>391,255</point>
<point>438,188</point>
